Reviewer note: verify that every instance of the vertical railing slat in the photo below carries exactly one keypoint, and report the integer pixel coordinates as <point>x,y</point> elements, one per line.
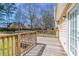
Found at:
<point>1,47</point>
<point>5,47</point>
<point>10,46</point>
<point>14,45</point>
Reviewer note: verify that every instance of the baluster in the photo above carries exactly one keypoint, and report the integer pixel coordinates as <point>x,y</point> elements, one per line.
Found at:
<point>5,47</point>
<point>1,46</point>
<point>10,46</point>
<point>14,45</point>
<point>31,41</point>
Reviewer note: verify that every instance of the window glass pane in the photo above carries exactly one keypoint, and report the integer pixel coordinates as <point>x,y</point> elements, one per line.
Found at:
<point>73,32</point>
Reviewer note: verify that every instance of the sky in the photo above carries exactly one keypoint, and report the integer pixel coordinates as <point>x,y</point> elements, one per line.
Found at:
<point>40,7</point>
<point>45,6</point>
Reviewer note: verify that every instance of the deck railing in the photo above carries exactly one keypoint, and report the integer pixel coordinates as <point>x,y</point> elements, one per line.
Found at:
<point>47,33</point>
<point>17,44</point>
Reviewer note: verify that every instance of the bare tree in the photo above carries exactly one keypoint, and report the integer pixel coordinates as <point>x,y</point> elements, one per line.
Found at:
<point>38,23</point>
<point>48,20</point>
<point>30,11</point>
<point>18,16</point>
<point>27,11</point>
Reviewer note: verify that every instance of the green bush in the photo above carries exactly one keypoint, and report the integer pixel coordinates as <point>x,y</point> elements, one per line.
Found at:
<point>8,29</point>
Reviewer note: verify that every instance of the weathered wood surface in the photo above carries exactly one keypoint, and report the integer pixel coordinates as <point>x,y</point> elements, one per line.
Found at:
<point>17,43</point>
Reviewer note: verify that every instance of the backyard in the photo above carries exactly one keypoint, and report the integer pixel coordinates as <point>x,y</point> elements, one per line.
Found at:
<point>29,30</point>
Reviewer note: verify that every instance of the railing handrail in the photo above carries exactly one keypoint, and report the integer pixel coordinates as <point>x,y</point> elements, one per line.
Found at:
<point>2,35</point>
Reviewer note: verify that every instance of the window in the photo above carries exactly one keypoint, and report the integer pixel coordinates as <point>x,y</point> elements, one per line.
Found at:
<point>73,32</point>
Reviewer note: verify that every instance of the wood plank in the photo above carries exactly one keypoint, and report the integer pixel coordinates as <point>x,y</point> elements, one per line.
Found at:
<point>1,47</point>
<point>5,47</point>
<point>10,46</point>
<point>14,46</point>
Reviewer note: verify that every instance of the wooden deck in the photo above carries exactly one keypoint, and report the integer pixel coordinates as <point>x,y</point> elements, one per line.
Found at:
<point>47,47</point>
<point>15,44</point>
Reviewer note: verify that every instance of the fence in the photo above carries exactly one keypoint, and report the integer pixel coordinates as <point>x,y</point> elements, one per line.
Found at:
<point>47,33</point>
<point>16,44</point>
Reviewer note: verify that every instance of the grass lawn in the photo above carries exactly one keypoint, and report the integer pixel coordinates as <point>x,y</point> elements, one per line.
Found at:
<point>47,35</point>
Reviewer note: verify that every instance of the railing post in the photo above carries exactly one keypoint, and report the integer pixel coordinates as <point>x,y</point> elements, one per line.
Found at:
<point>18,50</point>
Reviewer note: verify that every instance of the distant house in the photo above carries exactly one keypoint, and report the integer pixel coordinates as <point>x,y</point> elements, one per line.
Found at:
<point>16,25</point>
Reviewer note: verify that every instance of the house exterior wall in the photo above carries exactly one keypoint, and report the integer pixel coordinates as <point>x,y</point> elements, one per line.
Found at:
<point>63,35</point>
<point>60,7</point>
<point>63,27</point>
